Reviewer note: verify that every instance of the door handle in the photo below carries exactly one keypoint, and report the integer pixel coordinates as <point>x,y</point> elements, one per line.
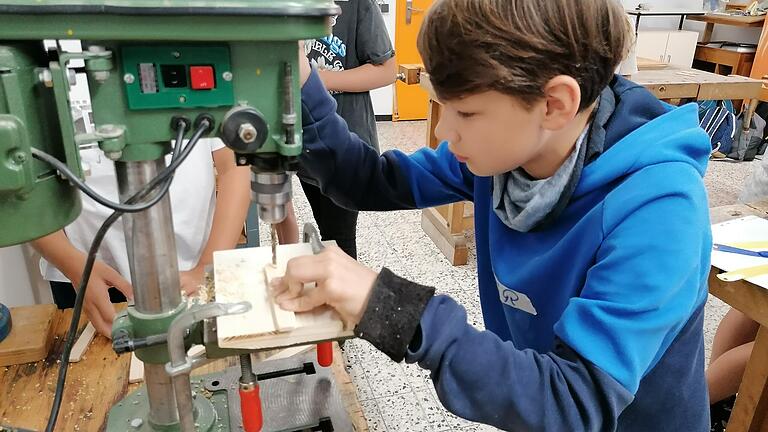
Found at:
<point>409,10</point>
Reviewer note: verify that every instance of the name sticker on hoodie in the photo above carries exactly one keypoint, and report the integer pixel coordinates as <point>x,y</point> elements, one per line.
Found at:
<point>515,299</point>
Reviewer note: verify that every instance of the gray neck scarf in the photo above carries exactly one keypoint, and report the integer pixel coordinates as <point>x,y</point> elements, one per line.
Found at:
<point>523,203</point>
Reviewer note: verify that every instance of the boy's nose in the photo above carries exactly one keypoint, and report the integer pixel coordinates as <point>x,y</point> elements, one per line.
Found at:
<point>444,131</point>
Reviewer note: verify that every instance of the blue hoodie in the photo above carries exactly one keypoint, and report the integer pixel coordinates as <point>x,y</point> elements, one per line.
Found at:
<point>594,322</point>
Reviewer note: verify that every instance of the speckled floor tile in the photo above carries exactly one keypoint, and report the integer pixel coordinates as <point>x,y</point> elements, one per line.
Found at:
<point>387,378</point>
<point>363,388</point>
<point>432,409</point>
<point>373,416</point>
<point>403,413</point>
<point>417,377</point>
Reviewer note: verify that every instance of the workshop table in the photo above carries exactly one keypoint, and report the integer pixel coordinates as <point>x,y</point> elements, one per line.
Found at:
<point>750,413</point>
<point>713,18</point>
<point>99,381</point>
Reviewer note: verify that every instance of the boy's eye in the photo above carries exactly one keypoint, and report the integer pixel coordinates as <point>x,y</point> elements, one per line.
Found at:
<point>465,115</point>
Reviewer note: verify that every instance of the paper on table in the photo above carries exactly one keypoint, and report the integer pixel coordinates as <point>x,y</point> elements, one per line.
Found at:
<point>748,229</point>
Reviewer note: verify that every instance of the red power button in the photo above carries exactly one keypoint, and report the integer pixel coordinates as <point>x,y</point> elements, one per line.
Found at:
<point>201,77</point>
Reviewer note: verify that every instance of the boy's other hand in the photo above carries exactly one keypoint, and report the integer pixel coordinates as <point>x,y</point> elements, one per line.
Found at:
<point>342,283</point>
<point>191,280</point>
<point>304,68</point>
<point>97,305</point>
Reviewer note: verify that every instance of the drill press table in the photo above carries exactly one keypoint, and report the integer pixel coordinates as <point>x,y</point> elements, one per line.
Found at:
<point>99,381</point>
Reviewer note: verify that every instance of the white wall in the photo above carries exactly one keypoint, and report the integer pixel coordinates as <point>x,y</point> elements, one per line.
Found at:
<point>722,32</point>
<point>383,97</point>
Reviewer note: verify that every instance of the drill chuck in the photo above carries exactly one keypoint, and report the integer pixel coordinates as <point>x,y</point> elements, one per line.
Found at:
<point>272,193</point>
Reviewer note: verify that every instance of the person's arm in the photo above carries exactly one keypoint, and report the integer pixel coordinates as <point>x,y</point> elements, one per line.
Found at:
<point>373,51</point>
<point>61,253</point>
<point>648,283</point>
<point>351,173</point>
<point>360,79</point>
<point>232,203</point>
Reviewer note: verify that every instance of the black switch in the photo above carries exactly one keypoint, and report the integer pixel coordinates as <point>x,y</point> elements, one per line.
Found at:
<point>174,76</point>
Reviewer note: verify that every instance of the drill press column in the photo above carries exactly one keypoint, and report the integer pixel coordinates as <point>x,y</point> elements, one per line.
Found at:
<point>154,274</point>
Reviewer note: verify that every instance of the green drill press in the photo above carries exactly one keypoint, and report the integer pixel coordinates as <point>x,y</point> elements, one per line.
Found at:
<point>225,67</point>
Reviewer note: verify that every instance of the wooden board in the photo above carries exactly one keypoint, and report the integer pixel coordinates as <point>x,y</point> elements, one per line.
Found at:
<point>648,64</point>
<point>732,20</point>
<point>82,342</point>
<point>240,276</point>
<point>136,370</point>
<point>31,335</point>
<point>676,83</point>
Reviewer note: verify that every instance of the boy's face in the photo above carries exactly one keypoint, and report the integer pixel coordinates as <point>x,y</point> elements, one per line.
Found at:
<point>491,132</point>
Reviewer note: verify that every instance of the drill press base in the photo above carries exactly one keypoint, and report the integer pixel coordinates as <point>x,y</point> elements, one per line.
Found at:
<point>296,395</point>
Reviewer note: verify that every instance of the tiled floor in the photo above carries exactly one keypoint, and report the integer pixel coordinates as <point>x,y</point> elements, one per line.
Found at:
<point>400,397</point>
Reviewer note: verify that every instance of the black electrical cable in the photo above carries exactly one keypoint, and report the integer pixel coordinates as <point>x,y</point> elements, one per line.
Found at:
<point>165,177</point>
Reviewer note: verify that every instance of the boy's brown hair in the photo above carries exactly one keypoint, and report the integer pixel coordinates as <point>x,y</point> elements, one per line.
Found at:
<point>516,46</point>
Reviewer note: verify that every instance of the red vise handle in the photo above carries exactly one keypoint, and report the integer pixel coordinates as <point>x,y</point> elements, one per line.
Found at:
<point>325,354</point>
<point>250,406</point>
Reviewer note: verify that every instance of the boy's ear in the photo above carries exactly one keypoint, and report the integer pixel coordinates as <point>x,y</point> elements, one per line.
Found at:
<point>562,95</point>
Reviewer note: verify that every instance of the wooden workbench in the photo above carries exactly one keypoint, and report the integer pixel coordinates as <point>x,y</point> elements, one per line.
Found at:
<point>98,382</point>
<point>750,414</point>
<point>732,20</point>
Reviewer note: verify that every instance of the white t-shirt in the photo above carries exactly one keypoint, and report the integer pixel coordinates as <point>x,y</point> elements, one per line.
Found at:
<point>193,201</point>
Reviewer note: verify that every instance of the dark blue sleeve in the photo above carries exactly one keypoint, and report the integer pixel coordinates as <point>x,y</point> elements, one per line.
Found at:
<point>353,174</point>
<point>481,378</point>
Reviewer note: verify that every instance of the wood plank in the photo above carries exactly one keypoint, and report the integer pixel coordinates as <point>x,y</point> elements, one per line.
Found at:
<point>284,320</point>
<point>136,370</point>
<point>348,392</point>
<point>677,83</point>
<point>752,400</point>
<point>433,117</point>
<point>731,90</point>
<point>456,218</point>
<point>649,64</point>
<point>82,343</point>
<point>31,335</point>
<point>453,247</point>
<point>742,295</point>
<point>239,276</point>
<point>732,20</point>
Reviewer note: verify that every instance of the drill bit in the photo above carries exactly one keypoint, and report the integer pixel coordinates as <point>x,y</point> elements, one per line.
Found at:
<point>273,234</point>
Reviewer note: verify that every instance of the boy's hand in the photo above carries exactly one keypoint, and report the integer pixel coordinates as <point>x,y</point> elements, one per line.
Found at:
<point>191,280</point>
<point>97,306</point>
<point>342,283</point>
<point>304,68</point>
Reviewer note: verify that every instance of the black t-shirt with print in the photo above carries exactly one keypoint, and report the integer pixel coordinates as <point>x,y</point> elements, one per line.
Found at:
<point>359,37</point>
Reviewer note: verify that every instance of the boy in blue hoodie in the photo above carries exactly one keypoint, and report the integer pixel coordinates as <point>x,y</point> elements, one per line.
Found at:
<point>591,224</point>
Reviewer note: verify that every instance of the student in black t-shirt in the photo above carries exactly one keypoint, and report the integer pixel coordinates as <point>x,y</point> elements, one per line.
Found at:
<point>356,58</point>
